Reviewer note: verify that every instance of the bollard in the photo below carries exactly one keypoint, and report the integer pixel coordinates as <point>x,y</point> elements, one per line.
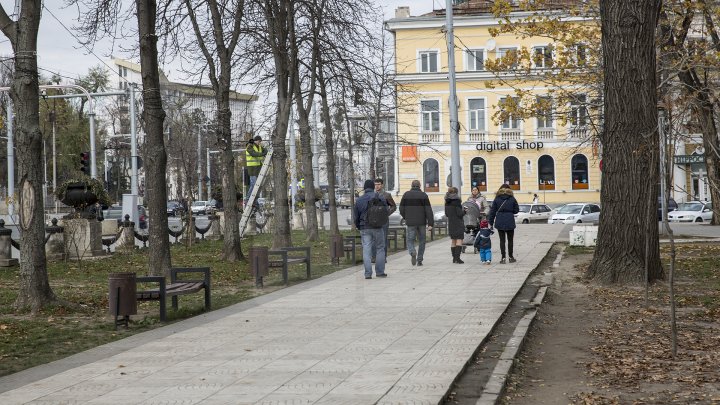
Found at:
<point>122,300</point>
<point>259,263</point>
<point>54,242</point>
<point>336,248</point>
<point>6,259</point>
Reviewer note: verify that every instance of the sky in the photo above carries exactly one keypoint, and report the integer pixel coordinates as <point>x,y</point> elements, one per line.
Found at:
<point>60,52</point>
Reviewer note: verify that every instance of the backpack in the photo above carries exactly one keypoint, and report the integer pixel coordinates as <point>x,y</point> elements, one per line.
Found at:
<point>377,212</point>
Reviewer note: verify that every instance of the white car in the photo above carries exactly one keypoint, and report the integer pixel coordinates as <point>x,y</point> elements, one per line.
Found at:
<point>532,213</point>
<point>199,207</point>
<point>693,211</point>
<point>576,213</point>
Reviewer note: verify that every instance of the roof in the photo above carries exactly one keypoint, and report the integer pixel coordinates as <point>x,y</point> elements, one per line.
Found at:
<point>479,7</point>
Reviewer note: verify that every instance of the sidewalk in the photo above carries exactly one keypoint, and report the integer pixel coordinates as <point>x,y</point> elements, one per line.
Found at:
<point>340,339</point>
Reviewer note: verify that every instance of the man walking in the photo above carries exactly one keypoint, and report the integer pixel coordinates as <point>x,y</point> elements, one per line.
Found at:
<point>416,210</point>
<point>254,154</point>
<point>391,208</point>
<point>371,233</point>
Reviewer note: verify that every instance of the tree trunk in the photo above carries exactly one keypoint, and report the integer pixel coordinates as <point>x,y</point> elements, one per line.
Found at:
<point>153,115</point>
<point>311,226</point>
<point>231,242</point>
<point>34,290</point>
<point>281,232</point>
<point>630,145</point>
<point>330,150</point>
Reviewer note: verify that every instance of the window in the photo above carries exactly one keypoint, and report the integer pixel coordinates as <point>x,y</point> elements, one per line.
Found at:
<point>579,54</point>
<point>430,112</point>
<point>546,173</point>
<point>510,56</point>
<point>544,112</point>
<point>431,176</point>
<point>511,169</point>
<point>578,111</point>
<point>579,172</point>
<point>510,122</point>
<point>542,57</point>
<point>478,173</point>
<point>475,60</point>
<point>476,112</point>
<point>429,61</point>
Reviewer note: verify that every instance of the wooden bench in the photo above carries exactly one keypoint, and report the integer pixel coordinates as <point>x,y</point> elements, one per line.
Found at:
<point>350,246</point>
<point>176,287</point>
<point>287,259</point>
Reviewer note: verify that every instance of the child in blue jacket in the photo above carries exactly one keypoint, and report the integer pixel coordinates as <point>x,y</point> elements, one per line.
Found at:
<point>483,242</point>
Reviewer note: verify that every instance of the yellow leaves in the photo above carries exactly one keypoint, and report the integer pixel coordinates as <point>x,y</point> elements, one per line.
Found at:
<point>3,327</point>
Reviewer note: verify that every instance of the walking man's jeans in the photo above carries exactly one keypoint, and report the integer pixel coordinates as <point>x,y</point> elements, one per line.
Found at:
<point>253,179</point>
<point>411,232</point>
<point>373,237</point>
<point>387,242</point>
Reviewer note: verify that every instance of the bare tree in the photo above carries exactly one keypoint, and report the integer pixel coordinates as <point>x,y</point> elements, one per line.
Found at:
<point>153,117</point>
<point>34,291</point>
<point>217,36</point>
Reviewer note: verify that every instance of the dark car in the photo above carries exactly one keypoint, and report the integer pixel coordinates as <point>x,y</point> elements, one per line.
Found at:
<point>672,206</point>
<point>115,213</point>
<point>174,208</point>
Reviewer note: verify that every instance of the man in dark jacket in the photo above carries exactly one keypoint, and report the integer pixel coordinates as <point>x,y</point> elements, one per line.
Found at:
<point>418,214</point>
<point>392,207</point>
<point>372,238</point>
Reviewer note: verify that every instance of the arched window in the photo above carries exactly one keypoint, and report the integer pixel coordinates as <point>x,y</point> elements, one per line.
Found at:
<point>511,175</point>
<point>431,176</point>
<point>478,173</point>
<point>546,173</point>
<point>579,172</point>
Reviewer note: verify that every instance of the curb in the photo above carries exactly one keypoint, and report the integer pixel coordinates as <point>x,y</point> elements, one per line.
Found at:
<point>495,385</point>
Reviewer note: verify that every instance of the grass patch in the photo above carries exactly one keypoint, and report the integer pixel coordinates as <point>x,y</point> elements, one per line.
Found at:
<point>579,250</point>
<point>82,322</point>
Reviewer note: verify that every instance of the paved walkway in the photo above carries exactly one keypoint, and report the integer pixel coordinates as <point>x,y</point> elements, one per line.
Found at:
<point>339,339</point>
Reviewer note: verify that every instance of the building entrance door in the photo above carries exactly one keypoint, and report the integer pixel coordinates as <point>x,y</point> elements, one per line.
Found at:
<point>700,188</point>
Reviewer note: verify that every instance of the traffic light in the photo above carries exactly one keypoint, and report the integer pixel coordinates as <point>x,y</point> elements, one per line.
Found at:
<point>85,162</point>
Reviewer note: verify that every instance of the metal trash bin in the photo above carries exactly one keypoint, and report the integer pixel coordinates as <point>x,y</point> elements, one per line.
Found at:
<point>122,298</point>
<point>336,248</point>
<point>259,263</point>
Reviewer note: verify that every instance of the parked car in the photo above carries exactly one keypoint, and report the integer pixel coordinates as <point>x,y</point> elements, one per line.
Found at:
<point>532,213</point>
<point>693,211</point>
<point>343,200</point>
<point>672,206</point>
<point>396,220</point>
<point>199,207</point>
<point>576,213</point>
<point>174,208</point>
<point>116,213</point>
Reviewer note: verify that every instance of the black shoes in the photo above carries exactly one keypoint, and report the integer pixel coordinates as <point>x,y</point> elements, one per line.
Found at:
<point>456,254</point>
<point>413,259</point>
<point>512,259</point>
<point>502,261</point>
<point>381,275</point>
<point>419,262</point>
<point>368,277</point>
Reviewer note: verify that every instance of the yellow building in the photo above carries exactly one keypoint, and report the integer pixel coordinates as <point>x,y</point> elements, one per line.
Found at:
<point>544,155</point>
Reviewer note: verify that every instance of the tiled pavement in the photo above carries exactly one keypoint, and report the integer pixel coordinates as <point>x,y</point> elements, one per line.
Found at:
<point>340,339</point>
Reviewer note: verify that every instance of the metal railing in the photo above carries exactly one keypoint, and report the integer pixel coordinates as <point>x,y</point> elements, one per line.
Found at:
<point>510,135</point>
<point>431,137</point>
<point>477,136</point>
<point>545,133</point>
<point>579,133</point>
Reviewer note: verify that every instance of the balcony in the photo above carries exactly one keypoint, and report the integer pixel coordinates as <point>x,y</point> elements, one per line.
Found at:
<point>578,133</point>
<point>510,135</point>
<point>476,136</point>
<point>431,137</point>
<point>543,134</point>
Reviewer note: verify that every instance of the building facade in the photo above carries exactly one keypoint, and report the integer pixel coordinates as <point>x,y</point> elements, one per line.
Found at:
<point>544,155</point>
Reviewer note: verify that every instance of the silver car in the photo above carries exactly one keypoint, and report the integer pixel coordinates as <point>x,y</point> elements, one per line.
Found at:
<point>576,213</point>
<point>532,213</point>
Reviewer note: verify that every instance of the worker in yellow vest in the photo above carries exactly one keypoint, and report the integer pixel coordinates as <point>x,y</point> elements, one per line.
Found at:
<point>254,155</point>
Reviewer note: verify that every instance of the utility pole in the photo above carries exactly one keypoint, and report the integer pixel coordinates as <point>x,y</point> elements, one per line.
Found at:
<point>133,144</point>
<point>10,159</point>
<point>209,180</point>
<point>452,100</point>
<point>199,171</point>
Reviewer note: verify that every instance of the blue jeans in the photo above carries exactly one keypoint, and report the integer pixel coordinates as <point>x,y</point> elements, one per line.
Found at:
<point>373,238</point>
<point>411,232</point>
<point>253,179</point>
<point>387,242</point>
<point>485,255</point>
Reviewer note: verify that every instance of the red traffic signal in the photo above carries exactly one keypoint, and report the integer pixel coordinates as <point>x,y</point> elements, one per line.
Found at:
<point>85,162</point>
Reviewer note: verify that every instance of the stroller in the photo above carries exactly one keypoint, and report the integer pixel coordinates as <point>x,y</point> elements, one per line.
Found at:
<point>471,219</point>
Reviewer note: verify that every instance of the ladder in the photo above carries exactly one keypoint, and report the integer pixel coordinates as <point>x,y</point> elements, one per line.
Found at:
<point>250,207</point>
